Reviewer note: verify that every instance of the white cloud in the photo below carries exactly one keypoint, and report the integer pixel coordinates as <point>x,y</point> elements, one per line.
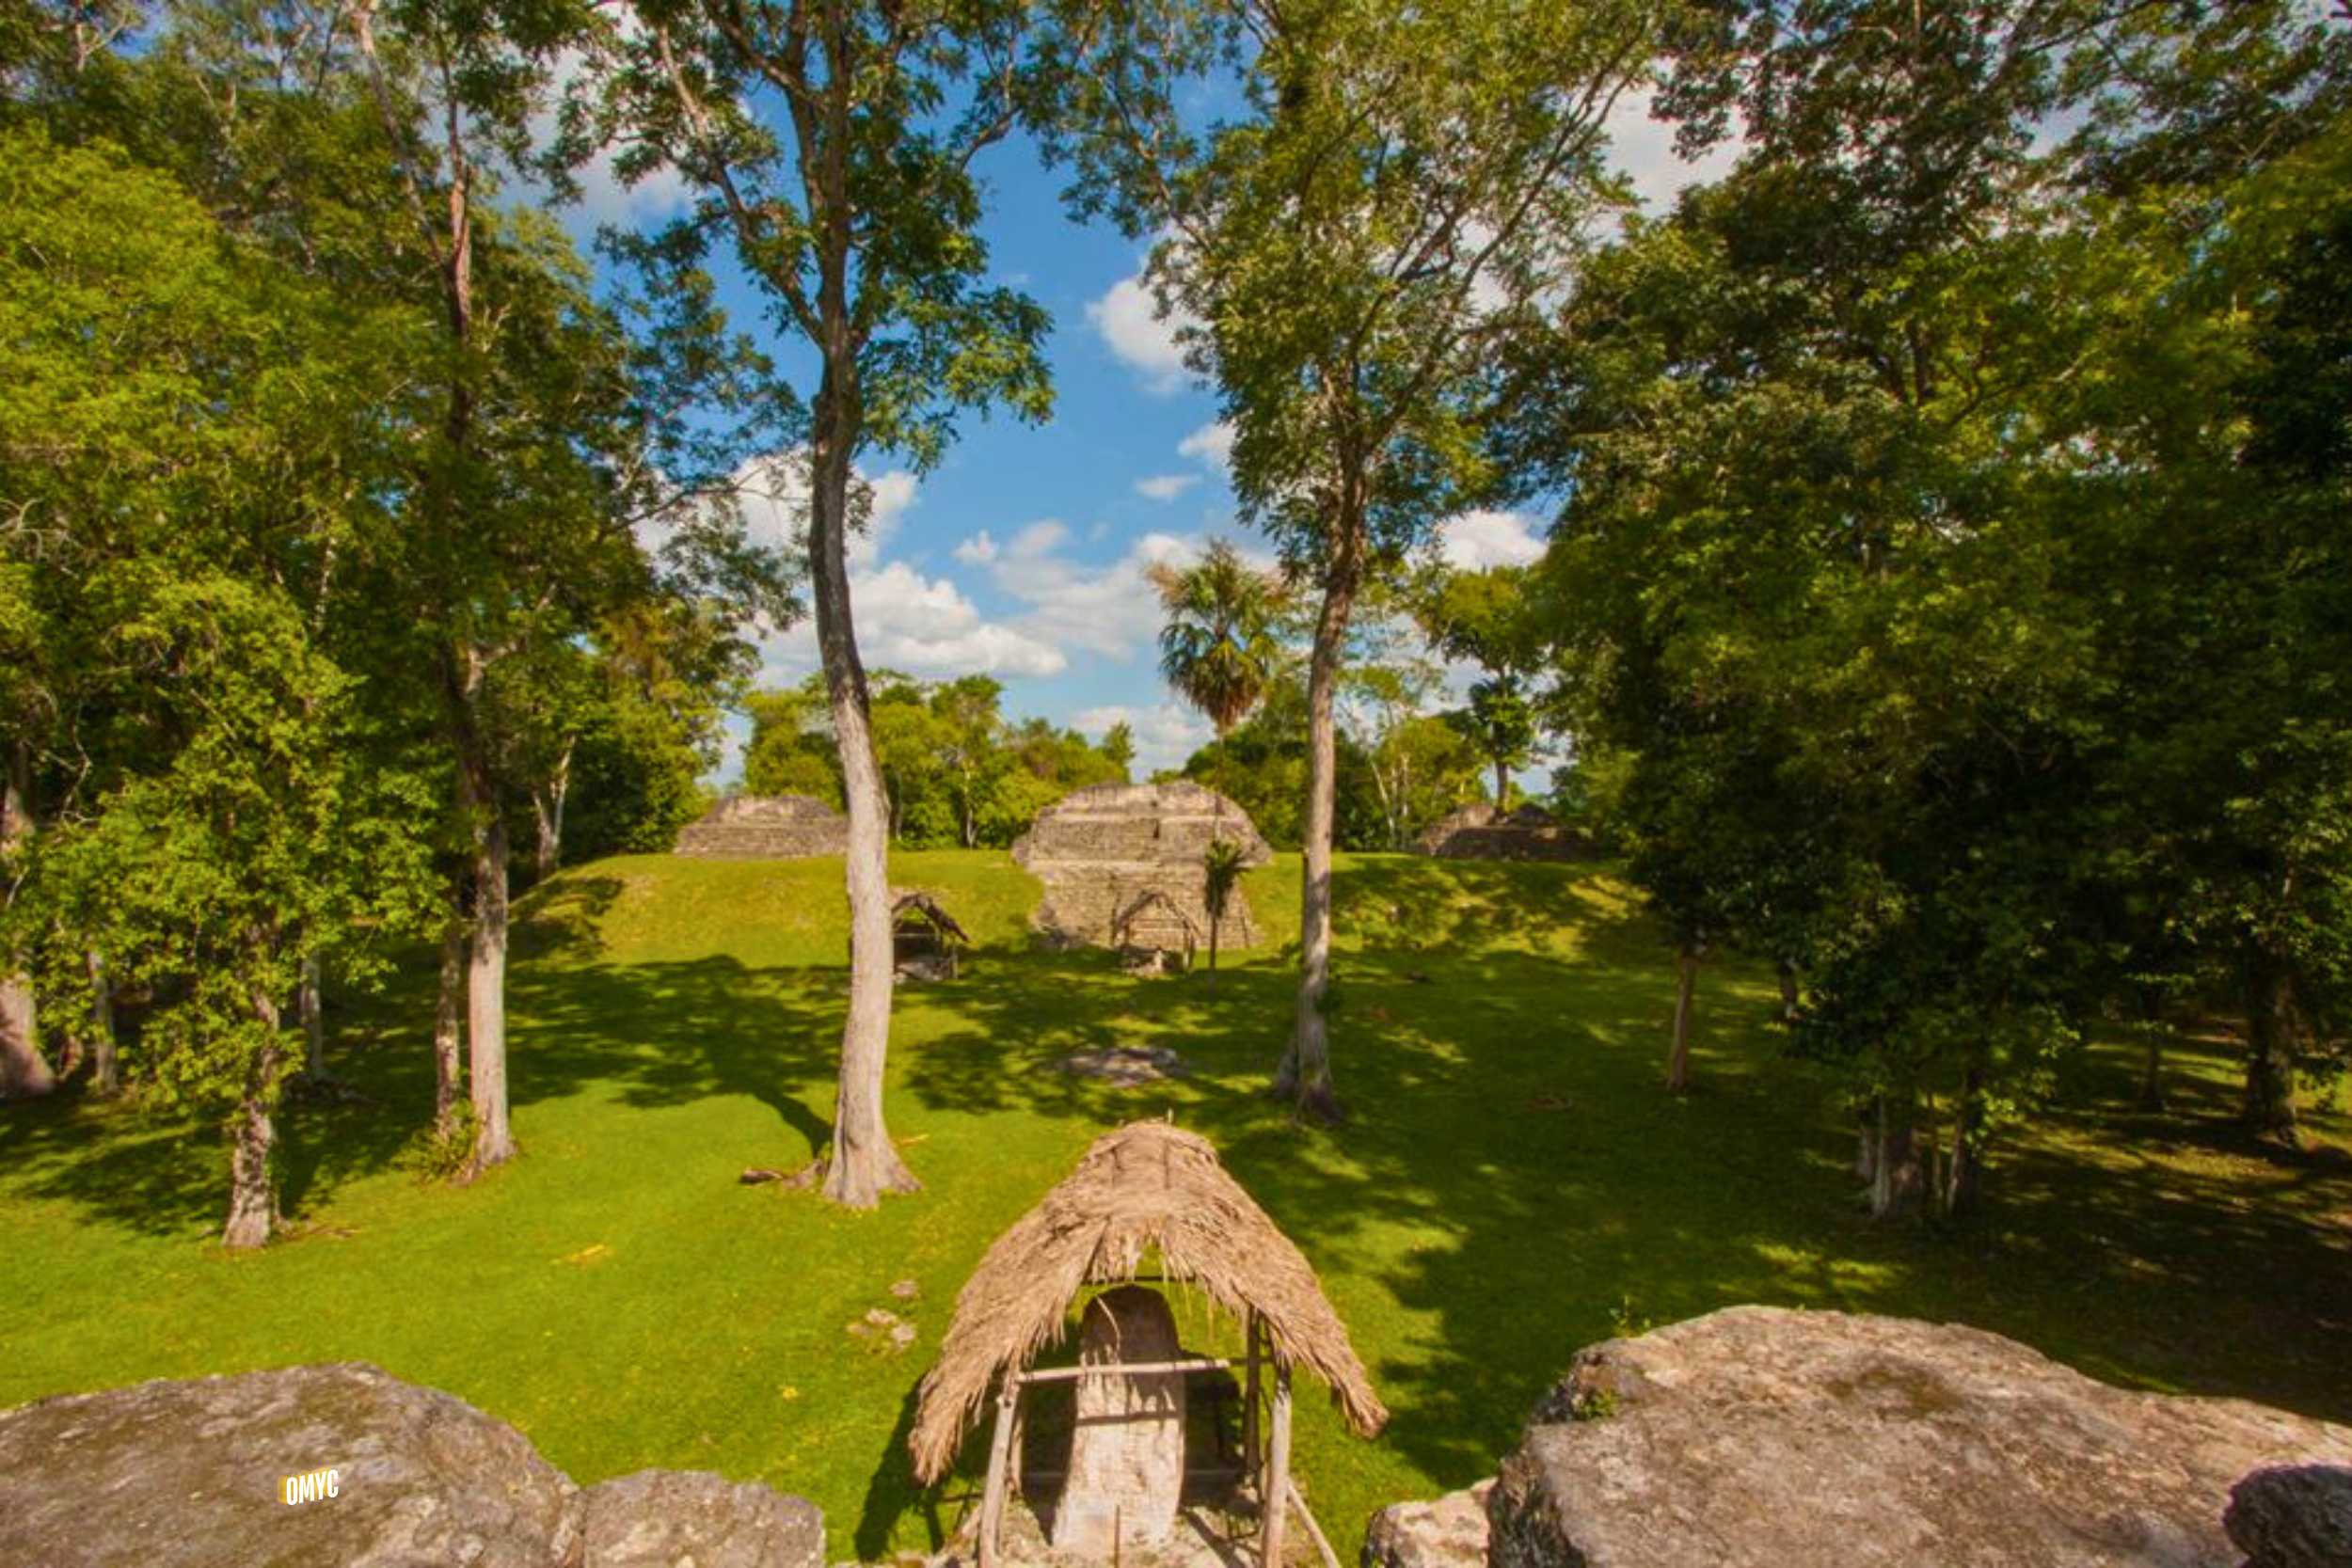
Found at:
<point>1131,324</point>
<point>923,625</point>
<point>1476,540</point>
<point>1644,149</point>
<point>1107,608</point>
<point>1165,487</point>
<point>905,620</point>
<point>775,495</point>
<point>1164,735</point>
<point>604,198</point>
<point>1211,444</point>
<point>1041,538</point>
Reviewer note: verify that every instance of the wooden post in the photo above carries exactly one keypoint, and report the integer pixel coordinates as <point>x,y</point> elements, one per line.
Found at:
<point>1250,1393</point>
<point>1274,1483</point>
<point>1314,1530</point>
<point>999,1452</point>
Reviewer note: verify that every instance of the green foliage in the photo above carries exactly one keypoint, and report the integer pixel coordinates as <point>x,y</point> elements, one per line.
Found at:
<point>957,772</point>
<point>1928,582</point>
<point>1537,1183</point>
<point>1261,766</point>
<point>1219,642</point>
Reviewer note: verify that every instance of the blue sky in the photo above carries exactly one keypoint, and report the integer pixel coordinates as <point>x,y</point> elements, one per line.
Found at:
<point>1022,556</point>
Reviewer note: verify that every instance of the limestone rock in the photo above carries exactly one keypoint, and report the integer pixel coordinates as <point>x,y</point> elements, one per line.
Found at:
<point>764,827</point>
<point>1126,1067</point>
<point>1450,1532</point>
<point>2293,1517</point>
<point>662,1518</point>
<point>1122,865</point>
<point>1759,1436</point>
<point>1127,1450</point>
<point>187,1474</point>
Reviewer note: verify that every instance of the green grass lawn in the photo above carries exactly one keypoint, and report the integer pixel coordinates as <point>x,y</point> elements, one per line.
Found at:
<point>1512,1184</point>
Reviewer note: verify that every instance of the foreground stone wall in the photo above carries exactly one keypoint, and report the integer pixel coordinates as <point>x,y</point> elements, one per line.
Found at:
<point>190,1475</point>
<point>765,827</point>
<point>1757,1437</point>
<point>1102,853</point>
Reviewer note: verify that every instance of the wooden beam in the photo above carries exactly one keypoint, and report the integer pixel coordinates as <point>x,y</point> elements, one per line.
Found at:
<point>1274,1484</point>
<point>1124,1369</point>
<point>1314,1530</point>
<point>999,1452</point>
<point>1250,1394</point>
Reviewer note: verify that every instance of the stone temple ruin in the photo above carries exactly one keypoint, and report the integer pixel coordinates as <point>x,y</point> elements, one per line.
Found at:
<point>764,827</point>
<point>1122,865</point>
<point>1480,832</point>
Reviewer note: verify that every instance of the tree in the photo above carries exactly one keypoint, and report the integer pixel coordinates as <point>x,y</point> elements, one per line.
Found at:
<point>1119,745</point>
<point>792,750</point>
<point>1859,450</point>
<point>1219,644</point>
<point>1409,180</point>
<point>1499,721</point>
<point>484,509</point>
<point>1487,617</point>
<point>1221,873</point>
<point>855,209</point>
<point>227,819</point>
<point>256,850</point>
<point>1420,766</point>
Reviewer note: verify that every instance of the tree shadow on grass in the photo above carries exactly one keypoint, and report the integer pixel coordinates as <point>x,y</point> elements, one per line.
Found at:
<point>891,1492</point>
<point>1472,1078</point>
<point>150,1174</point>
<point>654,1035</point>
<point>666,1034</point>
<point>1514,1184</point>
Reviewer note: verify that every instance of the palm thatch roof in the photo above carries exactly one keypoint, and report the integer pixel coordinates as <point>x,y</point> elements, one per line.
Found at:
<point>923,905</point>
<point>1124,922</point>
<point>1144,1188</point>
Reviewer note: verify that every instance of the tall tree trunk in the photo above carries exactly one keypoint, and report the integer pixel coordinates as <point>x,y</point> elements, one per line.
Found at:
<point>485,988</point>
<point>313,1021</point>
<point>252,1190</point>
<point>2152,1073</point>
<point>1894,1160</point>
<point>2269,1105</point>
<point>448,1011</point>
<point>1789,998</point>
<point>107,1071</point>
<point>1686,985</point>
<point>547,805</point>
<point>1304,1077</point>
<point>1503,786</point>
<point>1963,1172</point>
<point>2153,1031</point>
<point>865,1163</point>
<point>24,1070</point>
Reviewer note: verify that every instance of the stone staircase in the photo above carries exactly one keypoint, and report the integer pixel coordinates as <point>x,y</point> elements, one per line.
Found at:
<point>764,827</point>
<point>1122,865</point>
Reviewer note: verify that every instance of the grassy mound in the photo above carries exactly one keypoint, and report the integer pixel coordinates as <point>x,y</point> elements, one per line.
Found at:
<point>1512,1184</point>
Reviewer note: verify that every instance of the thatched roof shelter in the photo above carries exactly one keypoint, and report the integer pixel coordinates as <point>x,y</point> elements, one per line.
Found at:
<point>1145,1189</point>
<point>1157,920</point>
<point>910,910</point>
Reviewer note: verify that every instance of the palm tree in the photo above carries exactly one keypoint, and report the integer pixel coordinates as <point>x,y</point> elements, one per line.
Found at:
<point>1218,647</point>
<point>1220,868</point>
